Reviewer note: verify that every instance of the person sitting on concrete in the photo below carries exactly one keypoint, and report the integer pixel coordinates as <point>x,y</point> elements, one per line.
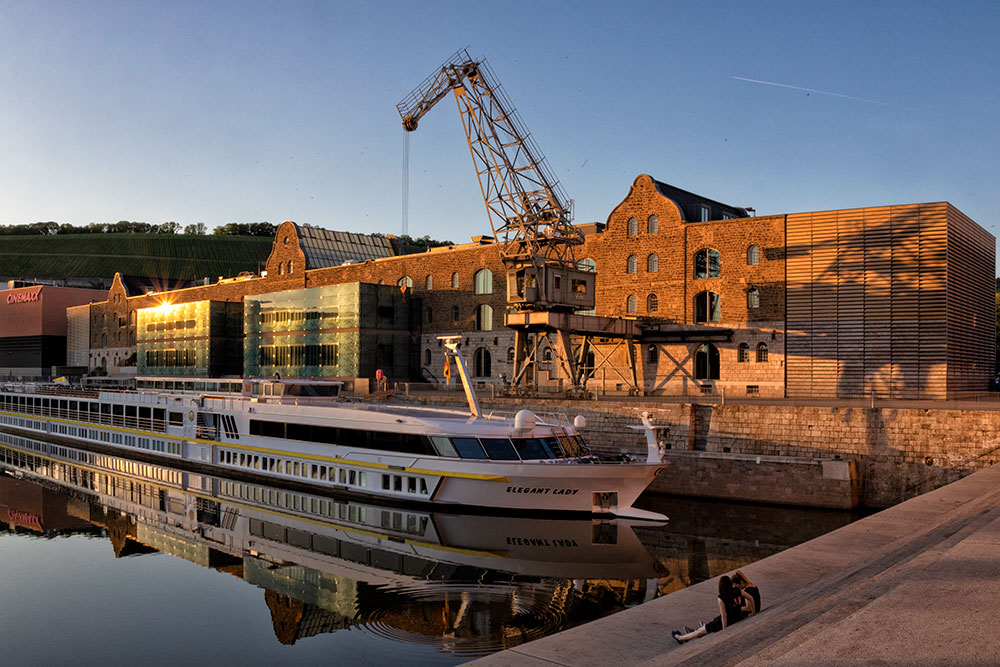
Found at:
<point>731,600</point>
<point>750,606</point>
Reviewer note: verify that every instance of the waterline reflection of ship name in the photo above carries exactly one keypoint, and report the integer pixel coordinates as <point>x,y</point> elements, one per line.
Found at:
<point>527,462</point>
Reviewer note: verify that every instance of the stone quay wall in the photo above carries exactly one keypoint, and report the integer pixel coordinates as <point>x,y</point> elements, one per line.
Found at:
<point>818,456</point>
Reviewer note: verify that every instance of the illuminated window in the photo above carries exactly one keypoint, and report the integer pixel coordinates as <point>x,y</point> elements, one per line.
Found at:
<point>484,317</point>
<point>483,280</point>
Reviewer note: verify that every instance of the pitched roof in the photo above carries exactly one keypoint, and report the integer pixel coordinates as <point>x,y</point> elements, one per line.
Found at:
<point>323,247</point>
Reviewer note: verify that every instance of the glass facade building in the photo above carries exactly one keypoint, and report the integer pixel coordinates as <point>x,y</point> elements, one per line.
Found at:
<point>347,330</point>
<point>200,338</point>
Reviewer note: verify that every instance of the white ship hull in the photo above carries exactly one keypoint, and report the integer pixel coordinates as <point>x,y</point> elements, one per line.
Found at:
<point>241,434</point>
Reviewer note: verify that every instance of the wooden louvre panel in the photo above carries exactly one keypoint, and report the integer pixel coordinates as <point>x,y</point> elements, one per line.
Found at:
<point>970,303</point>
<point>798,305</point>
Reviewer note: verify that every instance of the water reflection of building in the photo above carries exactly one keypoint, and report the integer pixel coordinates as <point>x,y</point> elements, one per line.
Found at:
<point>474,584</point>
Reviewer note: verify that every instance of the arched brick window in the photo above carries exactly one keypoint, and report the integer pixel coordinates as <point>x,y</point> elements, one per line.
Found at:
<point>753,298</point>
<point>753,255</point>
<point>427,357</point>
<point>429,282</point>
<point>633,227</point>
<point>632,264</point>
<point>652,354</point>
<point>707,263</point>
<point>483,280</point>
<point>631,304</point>
<point>707,307</point>
<point>653,224</point>
<point>483,363</point>
<point>484,317</point>
<point>743,353</point>
<point>405,281</point>
<point>454,313</point>
<point>454,280</point>
<point>652,303</point>
<point>706,362</point>
<point>652,263</point>
<point>762,353</point>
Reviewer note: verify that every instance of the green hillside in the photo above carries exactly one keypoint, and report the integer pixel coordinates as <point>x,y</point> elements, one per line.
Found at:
<point>175,256</point>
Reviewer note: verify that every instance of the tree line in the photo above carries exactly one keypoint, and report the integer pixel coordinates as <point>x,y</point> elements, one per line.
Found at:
<point>130,227</point>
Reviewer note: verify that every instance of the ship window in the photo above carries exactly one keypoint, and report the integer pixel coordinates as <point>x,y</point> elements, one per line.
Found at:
<point>469,448</point>
<point>176,418</point>
<point>500,449</point>
<point>411,484</point>
<point>397,483</point>
<point>444,447</point>
<point>530,448</point>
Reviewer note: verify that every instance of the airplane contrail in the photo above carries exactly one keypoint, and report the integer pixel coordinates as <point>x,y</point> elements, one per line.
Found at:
<point>818,92</point>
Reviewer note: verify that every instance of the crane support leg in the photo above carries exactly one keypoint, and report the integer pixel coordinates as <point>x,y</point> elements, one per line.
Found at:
<point>522,360</point>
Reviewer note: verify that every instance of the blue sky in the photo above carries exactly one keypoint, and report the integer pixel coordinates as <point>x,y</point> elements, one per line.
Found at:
<point>221,112</point>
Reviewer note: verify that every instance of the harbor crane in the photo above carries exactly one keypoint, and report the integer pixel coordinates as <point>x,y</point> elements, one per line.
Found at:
<point>529,213</point>
<point>527,209</point>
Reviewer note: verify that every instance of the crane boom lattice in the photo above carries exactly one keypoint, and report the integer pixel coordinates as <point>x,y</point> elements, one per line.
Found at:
<point>529,213</point>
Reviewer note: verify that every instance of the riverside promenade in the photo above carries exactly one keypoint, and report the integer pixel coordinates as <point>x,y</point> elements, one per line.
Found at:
<point>916,584</point>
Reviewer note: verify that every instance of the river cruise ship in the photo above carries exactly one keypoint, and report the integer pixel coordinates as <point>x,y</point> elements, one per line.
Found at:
<point>296,430</point>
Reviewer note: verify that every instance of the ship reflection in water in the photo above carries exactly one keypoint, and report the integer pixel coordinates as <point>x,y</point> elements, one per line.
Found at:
<point>460,585</point>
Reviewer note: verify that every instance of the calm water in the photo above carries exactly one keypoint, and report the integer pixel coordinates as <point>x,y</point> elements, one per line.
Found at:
<point>111,561</point>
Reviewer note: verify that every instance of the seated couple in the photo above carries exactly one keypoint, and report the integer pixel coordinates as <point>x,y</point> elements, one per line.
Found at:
<point>738,599</point>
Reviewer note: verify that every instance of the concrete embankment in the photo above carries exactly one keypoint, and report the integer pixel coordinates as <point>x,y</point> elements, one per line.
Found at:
<point>913,584</point>
<point>897,449</point>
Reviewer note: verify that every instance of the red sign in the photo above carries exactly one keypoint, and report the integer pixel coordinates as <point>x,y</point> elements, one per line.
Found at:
<point>23,297</point>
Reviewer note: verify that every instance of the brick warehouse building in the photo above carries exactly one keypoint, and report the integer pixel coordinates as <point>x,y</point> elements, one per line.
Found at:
<point>895,300</point>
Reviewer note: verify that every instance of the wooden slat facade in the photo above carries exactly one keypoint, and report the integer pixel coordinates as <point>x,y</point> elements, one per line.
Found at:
<point>892,300</point>
<point>971,304</point>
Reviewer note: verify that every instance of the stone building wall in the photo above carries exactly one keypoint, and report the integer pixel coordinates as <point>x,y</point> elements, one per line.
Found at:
<point>667,363</point>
